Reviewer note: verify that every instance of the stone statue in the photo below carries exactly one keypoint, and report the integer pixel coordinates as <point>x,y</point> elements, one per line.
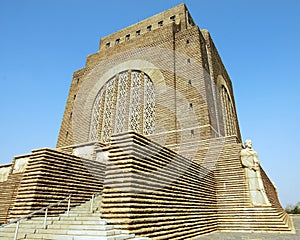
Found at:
<point>4,172</point>
<point>250,162</point>
<point>20,165</point>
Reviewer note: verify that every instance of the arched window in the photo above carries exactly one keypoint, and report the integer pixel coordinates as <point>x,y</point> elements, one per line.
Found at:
<point>126,102</point>
<point>229,116</point>
<point>95,117</point>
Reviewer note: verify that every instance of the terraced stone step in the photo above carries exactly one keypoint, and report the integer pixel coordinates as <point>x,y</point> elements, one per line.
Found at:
<point>80,237</point>
<point>181,231</point>
<point>75,226</point>
<point>80,217</point>
<point>86,232</point>
<point>253,226</point>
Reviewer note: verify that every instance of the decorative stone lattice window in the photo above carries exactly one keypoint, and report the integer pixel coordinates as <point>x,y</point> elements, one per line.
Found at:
<point>95,117</point>
<point>229,116</point>
<point>109,102</point>
<point>125,103</point>
<point>135,102</point>
<point>149,106</point>
<point>120,119</point>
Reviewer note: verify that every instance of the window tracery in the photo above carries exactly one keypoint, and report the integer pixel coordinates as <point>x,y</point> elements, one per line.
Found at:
<point>121,102</point>
<point>149,106</point>
<point>95,117</point>
<point>108,113</point>
<point>126,102</point>
<point>135,102</point>
<point>228,113</point>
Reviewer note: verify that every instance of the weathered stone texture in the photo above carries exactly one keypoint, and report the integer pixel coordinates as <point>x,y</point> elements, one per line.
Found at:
<point>179,52</point>
<point>51,176</point>
<point>154,192</point>
<point>151,122</point>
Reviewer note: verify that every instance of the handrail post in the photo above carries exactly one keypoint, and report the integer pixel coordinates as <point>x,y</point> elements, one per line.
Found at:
<point>69,203</point>
<point>17,229</point>
<point>92,203</point>
<point>45,219</point>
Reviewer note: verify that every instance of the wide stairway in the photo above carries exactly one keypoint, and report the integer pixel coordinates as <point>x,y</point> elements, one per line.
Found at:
<point>234,209</point>
<point>80,224</point>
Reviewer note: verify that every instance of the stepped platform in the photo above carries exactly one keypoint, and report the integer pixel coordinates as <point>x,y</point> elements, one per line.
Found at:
<point>155,192</point>
<point>82,223</point>
<point>147,190</point>
<point>49,176</point>
<point>255,235</point>
<point>235,210</point>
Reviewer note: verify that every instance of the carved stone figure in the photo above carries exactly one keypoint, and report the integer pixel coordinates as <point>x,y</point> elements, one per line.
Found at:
<point>4,172</point>
<point>250,162</point>
<point>20,165</point>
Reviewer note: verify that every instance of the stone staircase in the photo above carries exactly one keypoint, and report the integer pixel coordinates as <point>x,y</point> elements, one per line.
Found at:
<point>80,224</point>
<point>235,212</point>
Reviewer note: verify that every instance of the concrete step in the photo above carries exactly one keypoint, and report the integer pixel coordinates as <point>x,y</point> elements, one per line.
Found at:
<point>91,232</point>
<point>80,237</point>
<point>252,226</point>
<point>79,218</point>
<point>79,226</point>
<point>81,222</point>
<point>79,214</point>
<point>9,235</point>
<point>141,238</point>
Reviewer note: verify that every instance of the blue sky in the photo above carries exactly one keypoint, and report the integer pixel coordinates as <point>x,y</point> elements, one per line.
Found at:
<point>43,42</point>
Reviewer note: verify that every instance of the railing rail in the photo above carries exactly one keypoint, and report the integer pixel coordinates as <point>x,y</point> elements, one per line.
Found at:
<point>18,220</point>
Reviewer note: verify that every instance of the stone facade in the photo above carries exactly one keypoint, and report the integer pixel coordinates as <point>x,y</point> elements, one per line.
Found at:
<point>193,93</point>
<point>151,122</point>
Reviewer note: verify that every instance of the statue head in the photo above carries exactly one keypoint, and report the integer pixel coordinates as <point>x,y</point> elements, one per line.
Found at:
<point>248,143</point>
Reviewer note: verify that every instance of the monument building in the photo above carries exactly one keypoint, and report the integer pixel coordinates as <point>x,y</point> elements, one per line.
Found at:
<point>150,126</point>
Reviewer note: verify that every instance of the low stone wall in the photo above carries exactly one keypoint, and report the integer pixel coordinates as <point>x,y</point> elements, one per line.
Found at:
<point>154,192</point>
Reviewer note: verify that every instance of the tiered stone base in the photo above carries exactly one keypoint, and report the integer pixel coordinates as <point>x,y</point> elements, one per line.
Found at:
<point>154,192</point>
<point>50,176</point>
<point>149,190</point>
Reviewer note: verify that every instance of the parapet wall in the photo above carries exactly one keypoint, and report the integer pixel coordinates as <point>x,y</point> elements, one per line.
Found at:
<point>178,14</point>
<point>154,192</point>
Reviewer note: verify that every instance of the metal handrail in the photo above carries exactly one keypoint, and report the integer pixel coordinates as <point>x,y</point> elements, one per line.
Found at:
<point>37,211</point>
<point>18,220</point>
<point>92,200</point>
